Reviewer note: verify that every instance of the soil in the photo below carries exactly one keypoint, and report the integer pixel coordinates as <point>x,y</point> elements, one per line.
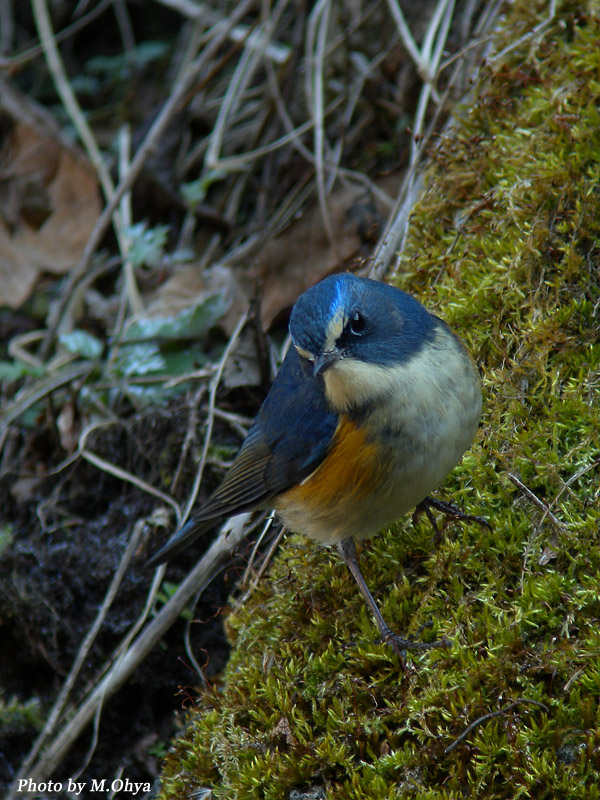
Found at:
<point>71,528</point>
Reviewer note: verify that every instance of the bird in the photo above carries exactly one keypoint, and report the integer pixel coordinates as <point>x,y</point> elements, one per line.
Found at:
<point>374,404</point>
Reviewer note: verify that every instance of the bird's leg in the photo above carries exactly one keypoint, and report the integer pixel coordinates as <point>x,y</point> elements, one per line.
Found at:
<point>347,550</point>
<point>449,509</point>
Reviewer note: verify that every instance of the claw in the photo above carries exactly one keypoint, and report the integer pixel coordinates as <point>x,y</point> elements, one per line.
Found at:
<point>450,510</point>
<point>396,641</point>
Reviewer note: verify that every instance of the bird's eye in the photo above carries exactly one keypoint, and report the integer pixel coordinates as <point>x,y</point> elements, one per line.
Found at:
<point>357,323</point>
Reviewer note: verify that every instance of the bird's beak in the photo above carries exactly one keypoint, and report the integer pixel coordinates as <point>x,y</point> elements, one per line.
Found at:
<point>325,360</point>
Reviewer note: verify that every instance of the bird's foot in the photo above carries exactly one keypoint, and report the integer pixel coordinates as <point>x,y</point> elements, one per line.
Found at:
<point>449,509</point>
<point>401,645</point>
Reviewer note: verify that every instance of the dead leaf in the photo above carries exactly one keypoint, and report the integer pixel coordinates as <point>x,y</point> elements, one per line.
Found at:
<point>188,284</point>
<point>242,368</point>
<point>547,556</point>
<point>67,429</point>
<point>286,265</point>
<point>50,203</point>
<point>283,731</point>
<point>302,255</point>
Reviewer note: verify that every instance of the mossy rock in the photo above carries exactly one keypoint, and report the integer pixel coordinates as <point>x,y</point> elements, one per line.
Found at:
<point>504,245</point>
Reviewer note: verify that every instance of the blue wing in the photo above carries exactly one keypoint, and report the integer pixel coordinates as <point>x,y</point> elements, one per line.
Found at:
<point>288,440</point>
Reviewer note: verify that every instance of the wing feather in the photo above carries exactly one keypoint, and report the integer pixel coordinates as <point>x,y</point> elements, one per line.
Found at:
<point>288,440</point>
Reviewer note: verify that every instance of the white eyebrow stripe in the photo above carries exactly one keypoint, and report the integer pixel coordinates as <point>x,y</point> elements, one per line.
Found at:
<point>335,329</point>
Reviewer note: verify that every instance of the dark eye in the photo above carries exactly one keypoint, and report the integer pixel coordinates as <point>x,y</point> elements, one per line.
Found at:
<point>357,323</point>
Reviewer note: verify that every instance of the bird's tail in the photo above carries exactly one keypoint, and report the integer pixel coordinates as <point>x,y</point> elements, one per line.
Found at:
<point>181,539</point>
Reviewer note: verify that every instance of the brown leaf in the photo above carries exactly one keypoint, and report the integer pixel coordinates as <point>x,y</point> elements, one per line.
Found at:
<point>303,254</point>
<point>49,205</point>
<point>68,430</point>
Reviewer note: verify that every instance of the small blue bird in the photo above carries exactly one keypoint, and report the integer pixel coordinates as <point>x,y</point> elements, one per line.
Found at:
<point>375,402</point>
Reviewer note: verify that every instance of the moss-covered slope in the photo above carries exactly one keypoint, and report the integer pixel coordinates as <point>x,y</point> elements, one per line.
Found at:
<point>505,246</point>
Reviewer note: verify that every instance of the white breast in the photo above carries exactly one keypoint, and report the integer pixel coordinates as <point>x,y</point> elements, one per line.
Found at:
<point>425,411</point>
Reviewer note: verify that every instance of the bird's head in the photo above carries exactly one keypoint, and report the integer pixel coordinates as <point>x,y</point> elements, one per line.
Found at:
<point>358,333</point>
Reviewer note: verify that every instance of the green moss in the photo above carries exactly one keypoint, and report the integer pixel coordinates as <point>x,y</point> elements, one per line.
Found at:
<point>18,716</point>
<point>505,246</point>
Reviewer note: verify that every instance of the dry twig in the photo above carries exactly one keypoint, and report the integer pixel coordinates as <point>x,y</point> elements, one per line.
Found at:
<point>492,715</point>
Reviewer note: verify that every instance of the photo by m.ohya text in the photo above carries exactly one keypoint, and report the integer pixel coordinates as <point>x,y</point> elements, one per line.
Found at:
<point>31,788</point>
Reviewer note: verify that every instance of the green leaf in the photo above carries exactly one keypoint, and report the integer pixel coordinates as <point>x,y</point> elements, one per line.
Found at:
<point>12,370</point>
<point>6,537</point>
<point>191,323</point>
<point>167,347</point>
<point>81,343</point>
<point>141,359</point>
<point>147,245</point>
<point>195,191</point>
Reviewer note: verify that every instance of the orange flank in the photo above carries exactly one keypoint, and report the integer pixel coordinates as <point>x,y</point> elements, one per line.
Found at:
<point>351,471</point>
